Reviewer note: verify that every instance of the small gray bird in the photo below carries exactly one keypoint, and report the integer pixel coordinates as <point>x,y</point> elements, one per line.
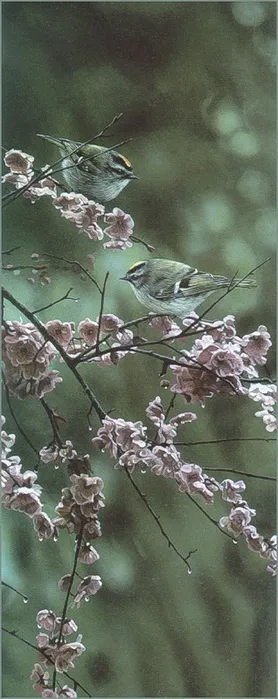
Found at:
<point>98,173</point>
<point>174,288</point>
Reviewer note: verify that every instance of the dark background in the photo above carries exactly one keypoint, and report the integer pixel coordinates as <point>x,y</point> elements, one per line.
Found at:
<point>196,84</point>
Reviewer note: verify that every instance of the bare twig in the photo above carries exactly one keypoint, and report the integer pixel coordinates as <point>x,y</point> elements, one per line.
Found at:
<point>77,264</point>
<point>62,298</point>
<point>101,310</point>
<point>14,590</point>
<point>157,520</point>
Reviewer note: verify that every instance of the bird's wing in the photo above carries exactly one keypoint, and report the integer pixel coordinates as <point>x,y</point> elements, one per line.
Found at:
<point>173,284</point>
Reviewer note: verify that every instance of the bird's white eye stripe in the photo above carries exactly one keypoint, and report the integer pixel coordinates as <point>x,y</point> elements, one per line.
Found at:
<point>176,287</point>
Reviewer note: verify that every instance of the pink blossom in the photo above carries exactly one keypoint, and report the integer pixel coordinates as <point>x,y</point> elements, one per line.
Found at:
<point>120,230</point>
<point>183,418</point>
<point>110,323</point>
<point>269,420</point>
<point>43,526</point>
<point>87,554</point>
<point>166,324</point>
<point>89,586</point>
<point>65,654</point>
<point>47,620</point>
<point>18,161</point>
<point>257,344</point>
<point>231,490</point>
<point>62,332</point>
<point>49,454</point>
<point>239,517</point>
<point>88,330</point>
<point>85,488</point>
<point>25,500</point>
<point>45,187</point>
<point>82,212</point>
<point>155,411</point>
<point>191,480</point>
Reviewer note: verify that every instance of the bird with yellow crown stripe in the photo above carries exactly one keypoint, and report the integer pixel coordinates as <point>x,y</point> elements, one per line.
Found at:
<point>94,171</point>
<point>175,288</point>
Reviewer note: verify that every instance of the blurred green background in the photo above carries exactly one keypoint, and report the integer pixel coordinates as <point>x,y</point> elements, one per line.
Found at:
<point>196,83</point>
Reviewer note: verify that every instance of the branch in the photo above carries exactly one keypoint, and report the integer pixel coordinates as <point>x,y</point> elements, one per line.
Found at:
<point>242,473</point>
<point>64,612</point>
<point>32,645</point>
<point>77,264</point>
<point>67,359</point>
<point>25,599</point>
<point>101,309</point>
<point>157,520</point>
<point>49,305</point>
<point>20,429</point>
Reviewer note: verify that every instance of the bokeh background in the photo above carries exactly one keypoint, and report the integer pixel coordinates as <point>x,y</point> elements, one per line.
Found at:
<point>196,84</point>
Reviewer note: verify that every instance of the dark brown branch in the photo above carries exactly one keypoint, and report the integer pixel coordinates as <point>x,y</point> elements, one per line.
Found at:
<point>67,359</point>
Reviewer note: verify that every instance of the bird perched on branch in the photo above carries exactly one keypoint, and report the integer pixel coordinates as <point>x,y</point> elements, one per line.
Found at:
<point>174,288</point>
<point>94,171</point>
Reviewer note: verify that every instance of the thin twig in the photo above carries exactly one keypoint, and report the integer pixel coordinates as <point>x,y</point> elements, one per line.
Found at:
<point>156,518</point>
<point>20,429</point>
<point>63,298</point>
<point>101,310</point>
<point>14,590</point>
<point>242,473</point>
<point>8,252</point>
<point>77,264</point>
<point>232,439</point>
<point>64,612</point>
<point>52,418</point>
<point>213,521</point>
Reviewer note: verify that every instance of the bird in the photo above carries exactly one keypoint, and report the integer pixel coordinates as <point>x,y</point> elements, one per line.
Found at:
<point>175,288</point>
<point>94,171</point>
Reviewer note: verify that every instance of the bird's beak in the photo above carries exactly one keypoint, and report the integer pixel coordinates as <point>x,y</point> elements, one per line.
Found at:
<point>124,279</point>
<point>133,177</point>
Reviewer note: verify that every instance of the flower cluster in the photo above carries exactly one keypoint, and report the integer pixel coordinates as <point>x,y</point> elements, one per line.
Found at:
<point>83,213</point>
<point>128,442</point>
<point>21,173</point>
<point>27,358</point>
<point>42,685</point>
<point>109,326</point>
<point>238,523</point>
<point>78,512</point>
<point>54,650</point>
<point>219,361</point>
<point>266,395</point>
<point>21,492</point>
